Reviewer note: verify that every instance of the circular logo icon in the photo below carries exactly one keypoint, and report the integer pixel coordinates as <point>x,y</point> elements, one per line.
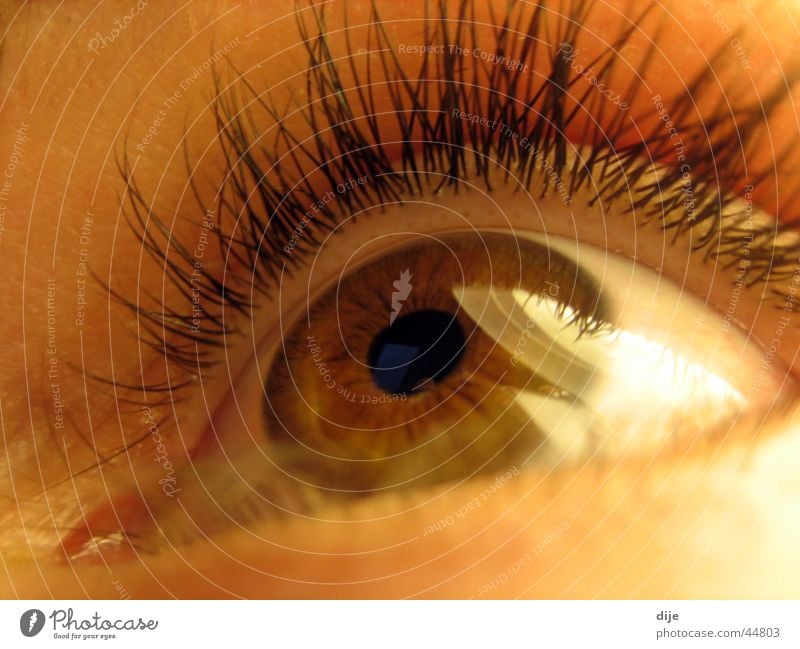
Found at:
<point>31,622</point>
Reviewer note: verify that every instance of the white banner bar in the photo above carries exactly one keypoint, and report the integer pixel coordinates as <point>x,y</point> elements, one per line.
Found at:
<point>403,624</point>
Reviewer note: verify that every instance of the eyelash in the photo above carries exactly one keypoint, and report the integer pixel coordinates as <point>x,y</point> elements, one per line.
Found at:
<point>436,150</point>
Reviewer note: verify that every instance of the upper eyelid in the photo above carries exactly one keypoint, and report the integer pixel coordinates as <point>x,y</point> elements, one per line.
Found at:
<point>276,218</point>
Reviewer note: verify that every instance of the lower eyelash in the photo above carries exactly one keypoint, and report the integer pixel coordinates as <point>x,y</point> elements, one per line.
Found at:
<point>274,173</point>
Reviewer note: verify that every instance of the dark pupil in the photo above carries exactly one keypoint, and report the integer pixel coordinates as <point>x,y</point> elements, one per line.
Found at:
<point>421,345</point>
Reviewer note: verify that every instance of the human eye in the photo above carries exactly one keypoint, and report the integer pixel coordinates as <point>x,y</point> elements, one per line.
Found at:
<point>496,281</point>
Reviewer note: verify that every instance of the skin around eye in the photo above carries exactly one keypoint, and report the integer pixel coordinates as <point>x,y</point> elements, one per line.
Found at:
<point>582,541</point>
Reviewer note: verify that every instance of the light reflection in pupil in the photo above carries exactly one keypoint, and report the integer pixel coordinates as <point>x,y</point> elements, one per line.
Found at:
<point>418,347</point>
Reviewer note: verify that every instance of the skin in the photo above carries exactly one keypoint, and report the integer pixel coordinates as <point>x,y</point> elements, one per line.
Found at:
<point>712,519</point>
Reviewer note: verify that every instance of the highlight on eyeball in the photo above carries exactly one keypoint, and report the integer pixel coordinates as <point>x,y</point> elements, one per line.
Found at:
<point>451,299</point>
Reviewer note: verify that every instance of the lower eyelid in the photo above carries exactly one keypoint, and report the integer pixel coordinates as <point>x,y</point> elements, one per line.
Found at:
<point>414,553</point>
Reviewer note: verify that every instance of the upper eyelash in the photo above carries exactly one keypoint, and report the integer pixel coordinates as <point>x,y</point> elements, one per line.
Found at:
<point>257,175</point>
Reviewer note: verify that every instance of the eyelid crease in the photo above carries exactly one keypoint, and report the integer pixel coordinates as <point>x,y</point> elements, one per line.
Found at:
<point>267,187</point>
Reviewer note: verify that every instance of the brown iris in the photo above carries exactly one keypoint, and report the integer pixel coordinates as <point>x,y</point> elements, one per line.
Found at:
<point>389,380</point>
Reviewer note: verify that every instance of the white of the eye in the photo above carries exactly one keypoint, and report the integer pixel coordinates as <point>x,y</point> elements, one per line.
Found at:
<point>669,365</point>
